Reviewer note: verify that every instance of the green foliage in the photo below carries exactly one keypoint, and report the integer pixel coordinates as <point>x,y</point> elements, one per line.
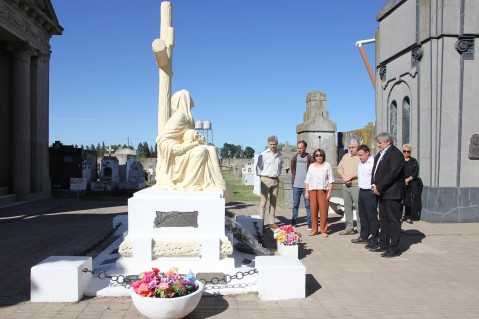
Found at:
<point>235,151</point>
<point>241,192</point>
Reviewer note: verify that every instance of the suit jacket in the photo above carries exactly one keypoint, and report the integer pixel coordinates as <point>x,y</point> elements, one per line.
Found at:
<point>389,177</point>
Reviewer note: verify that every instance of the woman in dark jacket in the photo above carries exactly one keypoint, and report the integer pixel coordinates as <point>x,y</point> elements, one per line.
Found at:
<point>411,176</point>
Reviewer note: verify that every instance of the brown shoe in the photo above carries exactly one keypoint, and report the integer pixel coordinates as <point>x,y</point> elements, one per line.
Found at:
<point>273,226</point>
<point>347,232</point>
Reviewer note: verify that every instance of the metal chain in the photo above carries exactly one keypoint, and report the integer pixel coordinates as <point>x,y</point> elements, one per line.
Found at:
<point>126,281</point>
<point>99,242</point>
<point>120,280</point>
<point>228,278</point>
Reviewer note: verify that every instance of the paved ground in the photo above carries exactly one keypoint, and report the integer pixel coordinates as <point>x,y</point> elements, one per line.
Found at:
<point>436,276</point>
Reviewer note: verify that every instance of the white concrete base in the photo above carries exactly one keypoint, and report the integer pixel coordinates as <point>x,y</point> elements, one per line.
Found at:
<point>284,250</point>
<point>147,204</point>
<point>106,262</point>
<point>60,279</point>
<point>280,277</point>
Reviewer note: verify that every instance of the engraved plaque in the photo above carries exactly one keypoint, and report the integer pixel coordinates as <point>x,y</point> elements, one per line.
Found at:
<point>176,219</point>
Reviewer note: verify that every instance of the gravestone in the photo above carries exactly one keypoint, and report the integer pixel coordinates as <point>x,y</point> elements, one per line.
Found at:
<point>109,175</point>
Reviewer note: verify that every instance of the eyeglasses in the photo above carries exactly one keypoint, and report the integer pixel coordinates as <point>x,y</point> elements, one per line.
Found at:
<point>318,155</point>
<point>406,151</point>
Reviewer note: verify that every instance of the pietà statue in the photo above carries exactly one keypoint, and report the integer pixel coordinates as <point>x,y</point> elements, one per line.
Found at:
<point>184,161</point>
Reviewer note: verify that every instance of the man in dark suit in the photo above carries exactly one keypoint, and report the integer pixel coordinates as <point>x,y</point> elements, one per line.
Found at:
<point>388,185</point>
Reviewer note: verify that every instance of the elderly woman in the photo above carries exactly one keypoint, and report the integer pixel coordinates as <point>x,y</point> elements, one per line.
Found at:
<point>184,163</point>
<point>411,175</point>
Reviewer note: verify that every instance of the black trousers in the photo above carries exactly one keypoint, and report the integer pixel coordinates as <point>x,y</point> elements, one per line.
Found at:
<point>390,212</point>
<point>368,215</point>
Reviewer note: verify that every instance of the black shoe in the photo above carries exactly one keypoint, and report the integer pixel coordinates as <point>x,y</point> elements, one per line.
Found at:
<point>390,253</point>
<point>378,248</point>
<point>359,240</point>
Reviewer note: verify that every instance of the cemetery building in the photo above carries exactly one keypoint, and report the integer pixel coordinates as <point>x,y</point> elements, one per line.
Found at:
<point>26,28</point>
<point>67,161</point>
<point>426,95</point>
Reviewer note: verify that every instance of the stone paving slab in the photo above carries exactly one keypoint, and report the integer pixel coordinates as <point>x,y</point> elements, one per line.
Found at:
<point>435,277</point>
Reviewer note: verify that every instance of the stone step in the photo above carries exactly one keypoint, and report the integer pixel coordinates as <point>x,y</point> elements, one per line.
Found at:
<point>8,198</point>
<point>3,190</point>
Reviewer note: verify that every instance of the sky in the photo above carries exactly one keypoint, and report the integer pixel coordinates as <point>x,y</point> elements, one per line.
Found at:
<point>248,65</point>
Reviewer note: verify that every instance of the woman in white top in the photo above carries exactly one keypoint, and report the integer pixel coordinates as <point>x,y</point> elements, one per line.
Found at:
<point>319,185</point>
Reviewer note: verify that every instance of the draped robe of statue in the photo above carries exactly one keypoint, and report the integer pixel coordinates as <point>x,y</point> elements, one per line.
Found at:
<point>185,164</point>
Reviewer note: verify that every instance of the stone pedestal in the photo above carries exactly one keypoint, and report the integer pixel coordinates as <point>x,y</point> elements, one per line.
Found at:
<point>271,268</point>
<point>284,250</point>
<point>181,229</point>
<point>60,279</point>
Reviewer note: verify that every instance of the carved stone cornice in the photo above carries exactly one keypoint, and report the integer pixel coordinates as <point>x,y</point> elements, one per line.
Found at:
<point>382,72</point>
<point>465,47</point>
<point>32,28</point>
<point>43,59</point>
<point>416,54</point>
<point>23,52</point>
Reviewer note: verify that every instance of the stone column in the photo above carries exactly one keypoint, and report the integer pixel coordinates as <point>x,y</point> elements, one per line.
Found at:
<point>40,179</point>
<point>21,121</point>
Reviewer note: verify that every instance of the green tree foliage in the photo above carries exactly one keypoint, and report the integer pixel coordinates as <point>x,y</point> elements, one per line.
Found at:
<point>248,152</point>
<point>235,151</point>
<point>143,150</point>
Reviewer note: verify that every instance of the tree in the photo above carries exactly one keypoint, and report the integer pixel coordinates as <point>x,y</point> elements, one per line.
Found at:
<point>224,151</point>
<point>238,151</point>
<point>146,149</point>
<point>248,152</point>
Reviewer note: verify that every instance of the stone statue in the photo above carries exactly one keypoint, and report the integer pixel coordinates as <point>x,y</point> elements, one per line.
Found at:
<point>184,162</point>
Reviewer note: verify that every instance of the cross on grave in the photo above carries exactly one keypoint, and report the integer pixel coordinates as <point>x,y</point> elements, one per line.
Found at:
<point>109,149</point>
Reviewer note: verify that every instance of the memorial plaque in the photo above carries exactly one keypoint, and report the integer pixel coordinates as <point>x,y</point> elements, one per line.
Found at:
<point>176,219</point>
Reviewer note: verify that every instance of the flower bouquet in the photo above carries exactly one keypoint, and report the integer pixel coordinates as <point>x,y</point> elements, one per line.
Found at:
<point>157,284</point>
<point>287,235</point>
<point>159,295</point>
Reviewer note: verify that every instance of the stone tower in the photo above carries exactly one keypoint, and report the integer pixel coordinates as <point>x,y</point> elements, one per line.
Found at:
<point>426,67</point>
<point>317,130</point>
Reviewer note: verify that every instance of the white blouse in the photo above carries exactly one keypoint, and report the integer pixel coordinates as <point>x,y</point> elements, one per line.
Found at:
<point>319,177</point>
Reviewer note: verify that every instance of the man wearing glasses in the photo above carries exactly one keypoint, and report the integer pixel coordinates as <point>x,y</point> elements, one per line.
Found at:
<point>348,170</point>
<point>268,168</point>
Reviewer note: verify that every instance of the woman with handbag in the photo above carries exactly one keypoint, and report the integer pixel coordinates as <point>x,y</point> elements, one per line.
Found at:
<point>411,173</point>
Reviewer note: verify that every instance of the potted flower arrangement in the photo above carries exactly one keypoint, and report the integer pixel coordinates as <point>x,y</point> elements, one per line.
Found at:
<point>158,295</point>
<point>288,239</point>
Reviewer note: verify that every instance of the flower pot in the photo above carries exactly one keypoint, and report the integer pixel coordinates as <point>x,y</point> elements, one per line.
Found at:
<point>284,250</point>
<point>167,308</point>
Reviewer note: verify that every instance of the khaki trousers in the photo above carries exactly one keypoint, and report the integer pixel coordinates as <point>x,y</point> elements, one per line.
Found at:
<point>269,186</point>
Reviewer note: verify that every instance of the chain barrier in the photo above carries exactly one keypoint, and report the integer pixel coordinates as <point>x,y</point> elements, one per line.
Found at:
<point>126,281</point>
<point>120,280</point>
<point>99,242</point>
